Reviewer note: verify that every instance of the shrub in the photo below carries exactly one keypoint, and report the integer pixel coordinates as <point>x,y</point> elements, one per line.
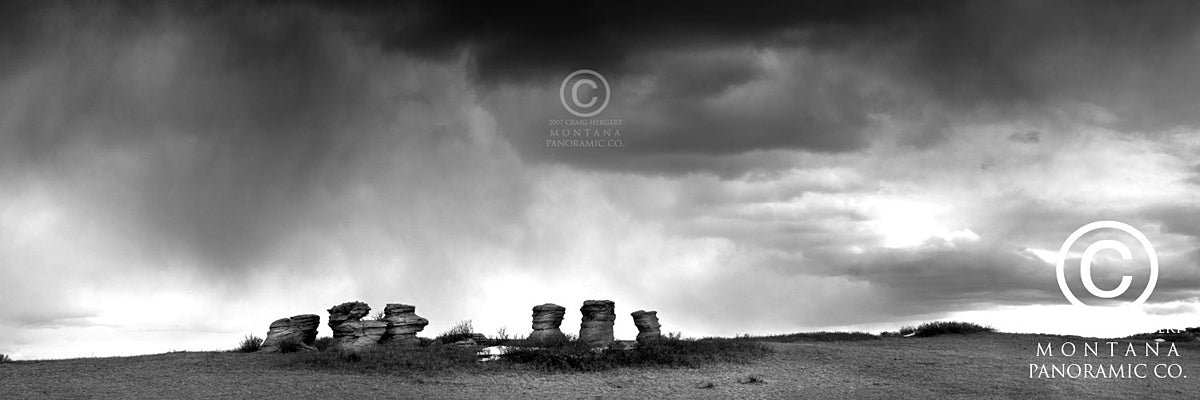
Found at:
<point>323,343</point>
<point>4,358</point>
<point>250,344</point>
<point>461,330</point>
<point>666,352</point>
<point>289,345</point>
<point>944,327</point>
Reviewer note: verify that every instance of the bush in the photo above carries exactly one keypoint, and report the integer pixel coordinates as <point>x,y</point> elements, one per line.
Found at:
<point>4,358</point>
<point>289,345</point>
<point>665,352</point>
<point>461,330</point>
<point>323,343</point>
<point>250,344</point>
<point>943,328</point>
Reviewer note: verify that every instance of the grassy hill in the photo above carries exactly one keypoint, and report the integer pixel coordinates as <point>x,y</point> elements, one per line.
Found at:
<point>821,366</point>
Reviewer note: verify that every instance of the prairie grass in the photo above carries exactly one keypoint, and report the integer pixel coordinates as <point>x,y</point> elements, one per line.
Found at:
<point>665,352</point>
<point>390,359</point>
<point>571,356</point>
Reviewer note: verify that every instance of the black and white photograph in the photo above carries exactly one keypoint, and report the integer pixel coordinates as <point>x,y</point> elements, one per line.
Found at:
<point>424,199</point>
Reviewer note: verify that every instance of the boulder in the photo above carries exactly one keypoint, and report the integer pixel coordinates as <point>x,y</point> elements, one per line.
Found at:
<point>403,323</point>
<point>465,343</point>
<point>647,324</point>
<point>350,333</point>
<point>596,330</point>
<point>300,329</point>
<point>546,321</point>
<point>356,336</point>
<point>348,311</point>
<point>471,339</point>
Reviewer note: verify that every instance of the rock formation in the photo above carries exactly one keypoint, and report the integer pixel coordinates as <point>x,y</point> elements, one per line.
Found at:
<point>300,329</point>
<point>350,332</point>
<point>348,311</point>
<point>403,323</point>
<point>596,330</point>
<point>546,321</point>
<point>647,324</point>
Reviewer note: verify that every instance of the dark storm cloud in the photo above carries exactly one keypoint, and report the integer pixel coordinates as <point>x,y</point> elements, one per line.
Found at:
<point>915,62</point>
<point>678,125</point>
<point>257,99</point>
<point>841,63</point>
<point>974,52</point>
<point>843,66</point>
<point>525,41</point>
<point>215,133</point>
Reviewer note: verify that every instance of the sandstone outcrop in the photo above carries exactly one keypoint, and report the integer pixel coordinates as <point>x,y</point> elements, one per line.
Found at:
<point>350,332</point>
<point>647,325</point>
<point>596,329</point>
<point>403,323</point>
<point>348,311</point>
<point>300,330</point>
<point>546,321</point>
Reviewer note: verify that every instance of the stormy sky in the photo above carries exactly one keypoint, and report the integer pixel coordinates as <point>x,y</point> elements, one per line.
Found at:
<point>176,175</point>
